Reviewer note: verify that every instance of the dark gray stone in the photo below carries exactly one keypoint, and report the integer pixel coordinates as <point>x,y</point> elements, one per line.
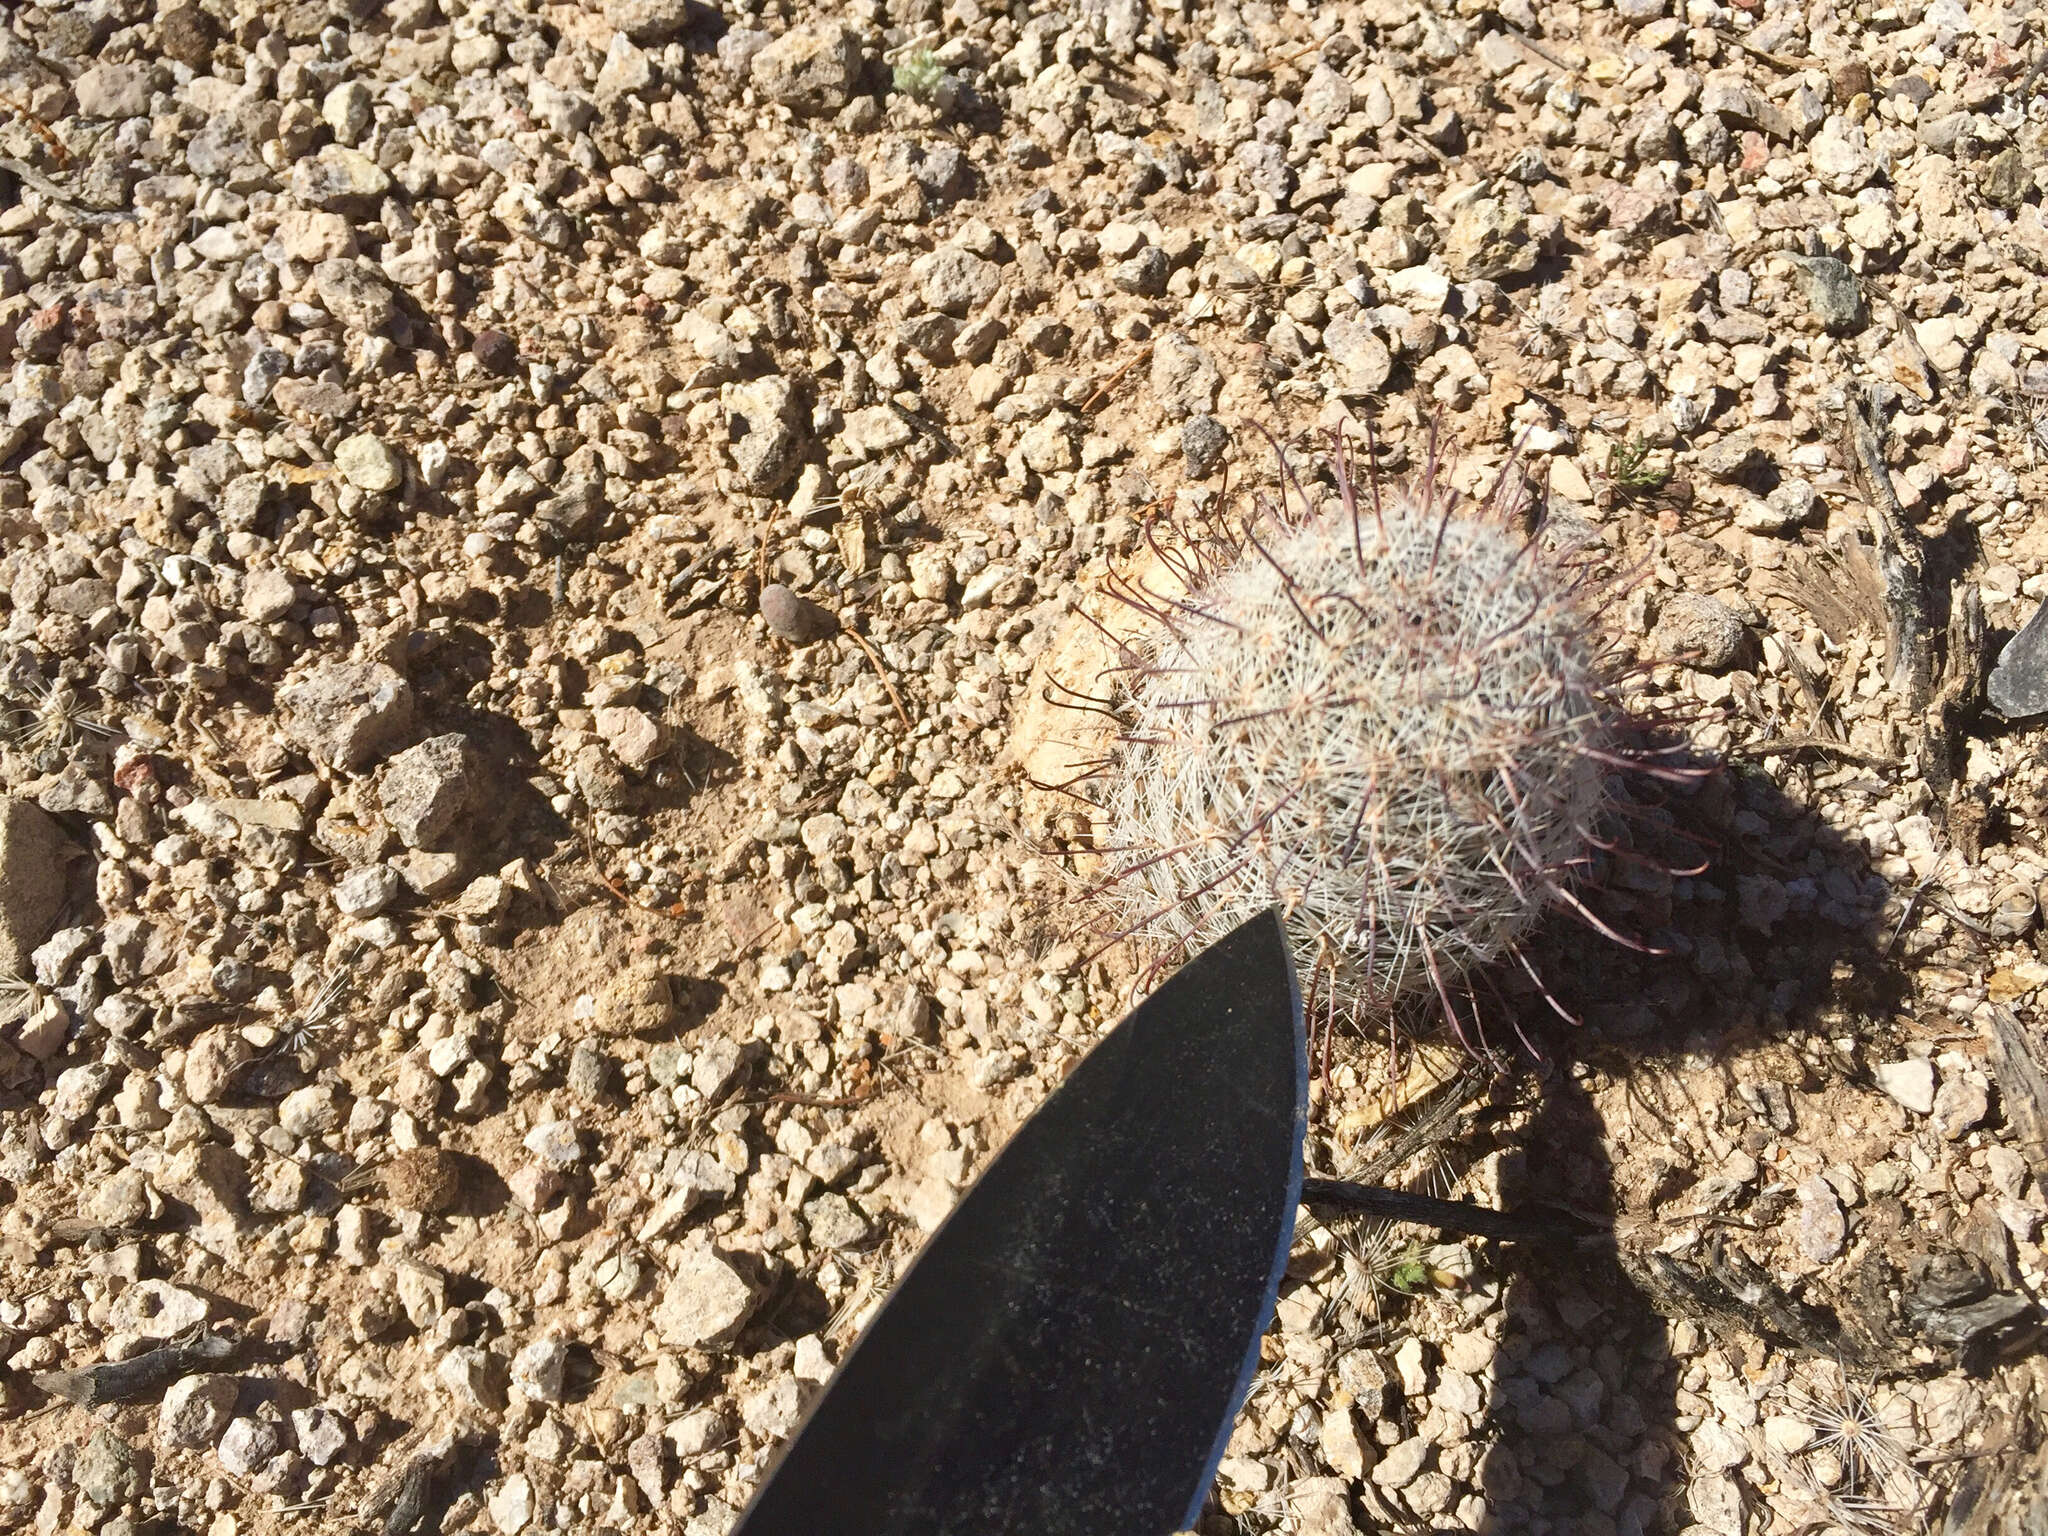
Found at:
<point>793,618</point>
<point>1203,441</point>
<point>1836,295</point>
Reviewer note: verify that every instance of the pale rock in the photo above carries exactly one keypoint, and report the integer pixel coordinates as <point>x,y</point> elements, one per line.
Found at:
<point>1320,1506</point>
<point>313,237</point>
<point>1718,1504</point>
<point>648,21</point>
<point>772,1411</point>
<point>763,414</point>
<point>1489,239</point>
<point>1410,1363</point>
<point>1346,1451</point>
<point>429,787</point>
<point>1429,1494</point>
<point>156,1309</point>
<point>1841,156</point>
<point>113,91</point>
<point>835,1224</point>
<point>812,1364</point>
<point>472,1377</point>
<point>511,1504</point>
<point>268,594</point>
<point>634,737</point>
<point>1361,361</point>
<point>1960,1105</point>
<point>1872,225</point>
<point>1326,96</point>
<point>247,1444</point>
<point>874,430</point>
<point>369,464</point>
<point>1247,1474</point>
<point>364,893</point>
<point>1910,1083</point>
<point>78,1089</point>
<point>211,1064</point>
<point>954,281</point>
<point>704,1302</point>
<point>1402,1463</point>
<point>1184,377</point>
<point>422,1292</point>
<point>627,71</point>
<point>1823,1227</point>
<point>1048,445</point>
<point>321,1433</point>
<point>196,1410</point>
<point>1717,1448</point>
<point>1788,1436</point>
<point>310,1111</point>
<point>810,69</point>
<point>347,110</point>
<point>1420,287</point>
<point>340,180</point>
<point>540,1368</point>
<point>346,713</point>
<point>1938,339</point>
<point>568,112</point>
<point>1470,1352</point>
<point>555,1144</point>
<point>1118,240</point>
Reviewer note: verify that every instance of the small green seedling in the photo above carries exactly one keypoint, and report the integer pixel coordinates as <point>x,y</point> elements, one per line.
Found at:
<point>918,76</point>
<point>1631,470</point>
<point>1411,1275</point>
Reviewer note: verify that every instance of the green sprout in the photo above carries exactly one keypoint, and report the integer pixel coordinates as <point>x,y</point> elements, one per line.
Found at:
<point>1631,471</point>
<point>918,76</point>
<point>1410,1276</point>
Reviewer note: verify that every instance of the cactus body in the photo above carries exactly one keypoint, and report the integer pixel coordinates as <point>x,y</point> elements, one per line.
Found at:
<point>1389,719</point>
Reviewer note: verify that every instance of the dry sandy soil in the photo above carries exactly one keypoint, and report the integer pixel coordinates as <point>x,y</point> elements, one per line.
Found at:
<point>526,534</point>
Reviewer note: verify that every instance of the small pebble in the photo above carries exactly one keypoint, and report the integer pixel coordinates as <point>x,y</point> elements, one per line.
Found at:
<point>793,618</point>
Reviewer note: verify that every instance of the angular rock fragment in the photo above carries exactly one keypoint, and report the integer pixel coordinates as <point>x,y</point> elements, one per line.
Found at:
<point>32,880</point>
<point>347,714</point>
<point>427,788</point>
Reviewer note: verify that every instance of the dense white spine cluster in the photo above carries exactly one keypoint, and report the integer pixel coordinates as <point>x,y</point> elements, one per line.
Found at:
<point>1386,717</point>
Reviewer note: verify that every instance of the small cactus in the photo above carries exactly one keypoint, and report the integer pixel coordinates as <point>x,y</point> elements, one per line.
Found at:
<point>919,75</point>
<point>1387,713</point>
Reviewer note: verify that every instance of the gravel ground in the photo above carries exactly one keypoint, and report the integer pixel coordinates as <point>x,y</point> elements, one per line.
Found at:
<point>525,536</point>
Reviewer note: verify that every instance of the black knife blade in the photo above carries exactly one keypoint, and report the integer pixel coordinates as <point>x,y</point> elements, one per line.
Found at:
<point>1066,1355</point>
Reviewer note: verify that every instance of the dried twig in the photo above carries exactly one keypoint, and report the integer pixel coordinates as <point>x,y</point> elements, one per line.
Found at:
<point>2026,86</point>
<point>143,1375</point>
<point>1898,554</point>
<point>1959,694</point>
<point>2022,1085</point>
<point>1790,66</point>
<point>1445,1215</point>
<point>875,659</point>
<point>1784,746</point>
<point>620,894</point>
<point>1109,384</point>
<point>402,1498</point>
<point>1540,51</point>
